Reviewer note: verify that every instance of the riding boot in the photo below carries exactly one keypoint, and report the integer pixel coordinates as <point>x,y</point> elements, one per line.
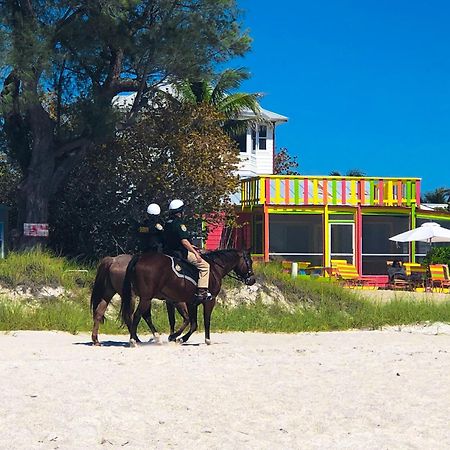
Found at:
<point>203,295</point>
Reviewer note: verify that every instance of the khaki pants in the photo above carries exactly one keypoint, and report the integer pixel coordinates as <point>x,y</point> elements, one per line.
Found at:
<point>203,267</point>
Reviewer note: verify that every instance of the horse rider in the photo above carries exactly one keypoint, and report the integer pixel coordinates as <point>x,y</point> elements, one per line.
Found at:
<point>151,233</point>
<point>176,242</point>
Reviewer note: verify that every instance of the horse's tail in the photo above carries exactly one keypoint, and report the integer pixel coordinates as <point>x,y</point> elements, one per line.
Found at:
<point>101,278</point>
<point>127,306</point>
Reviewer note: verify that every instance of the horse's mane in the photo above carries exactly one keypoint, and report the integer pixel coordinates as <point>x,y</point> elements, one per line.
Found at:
<point>223,254</point>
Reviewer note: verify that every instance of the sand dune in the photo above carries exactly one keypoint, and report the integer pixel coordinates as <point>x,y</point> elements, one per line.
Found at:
<point>353,390</point>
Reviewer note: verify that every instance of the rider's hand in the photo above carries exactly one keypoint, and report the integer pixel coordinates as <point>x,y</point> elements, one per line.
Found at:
<point>199,258</point>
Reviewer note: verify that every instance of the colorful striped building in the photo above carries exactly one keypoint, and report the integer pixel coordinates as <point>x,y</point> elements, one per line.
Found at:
<point>320,218</point>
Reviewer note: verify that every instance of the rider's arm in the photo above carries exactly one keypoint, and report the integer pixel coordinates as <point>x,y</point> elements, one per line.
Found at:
<point>189,247</point>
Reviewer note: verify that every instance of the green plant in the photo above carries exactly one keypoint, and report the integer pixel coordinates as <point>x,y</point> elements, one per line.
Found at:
<point>438,255</point>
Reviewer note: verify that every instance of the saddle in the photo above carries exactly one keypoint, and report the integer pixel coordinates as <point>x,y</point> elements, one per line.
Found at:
<point>184,269</point>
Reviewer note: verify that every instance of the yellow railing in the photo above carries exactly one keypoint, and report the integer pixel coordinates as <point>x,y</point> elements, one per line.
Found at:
<point>329,190</point>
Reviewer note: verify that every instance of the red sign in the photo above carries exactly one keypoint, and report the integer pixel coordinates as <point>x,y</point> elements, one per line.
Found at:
<point>35,229</point>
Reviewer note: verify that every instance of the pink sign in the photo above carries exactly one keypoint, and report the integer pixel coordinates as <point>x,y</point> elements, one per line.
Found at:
<point>35,229</point>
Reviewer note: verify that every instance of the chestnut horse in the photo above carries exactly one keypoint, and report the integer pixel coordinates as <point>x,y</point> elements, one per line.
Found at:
<point>109,281</point>
<point>153,276</point>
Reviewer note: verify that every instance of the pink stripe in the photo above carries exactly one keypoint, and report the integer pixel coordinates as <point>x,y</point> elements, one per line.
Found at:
<point>417,192</point>
<point>305,191</point>
<point>380,193</point>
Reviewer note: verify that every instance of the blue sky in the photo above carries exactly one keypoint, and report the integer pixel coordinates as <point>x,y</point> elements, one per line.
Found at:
<point>365,84</point>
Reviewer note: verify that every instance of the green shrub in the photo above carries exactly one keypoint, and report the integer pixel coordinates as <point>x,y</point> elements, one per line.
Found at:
<point>438,255</point>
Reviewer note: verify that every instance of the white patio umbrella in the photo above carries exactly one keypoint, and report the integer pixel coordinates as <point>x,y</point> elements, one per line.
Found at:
<point>428,232</point>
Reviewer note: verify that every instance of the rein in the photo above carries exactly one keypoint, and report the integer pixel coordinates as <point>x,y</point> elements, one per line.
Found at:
<point>241,278</point>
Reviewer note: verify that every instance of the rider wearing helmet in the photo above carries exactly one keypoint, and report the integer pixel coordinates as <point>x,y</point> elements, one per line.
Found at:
<point>151,233</point>
<point>176,241</point>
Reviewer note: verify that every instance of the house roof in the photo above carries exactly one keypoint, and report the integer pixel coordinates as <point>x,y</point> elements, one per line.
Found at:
<point>125,101</point>
<point>265,114</point>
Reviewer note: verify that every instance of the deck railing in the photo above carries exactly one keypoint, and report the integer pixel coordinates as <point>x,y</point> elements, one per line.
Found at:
<point>314,190</point>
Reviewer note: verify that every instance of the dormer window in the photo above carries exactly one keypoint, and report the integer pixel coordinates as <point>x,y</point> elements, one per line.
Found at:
<point>259,138</point>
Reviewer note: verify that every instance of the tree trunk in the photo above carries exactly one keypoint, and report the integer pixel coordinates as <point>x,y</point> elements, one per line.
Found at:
<point>35,190</point>
<point>33,201</point>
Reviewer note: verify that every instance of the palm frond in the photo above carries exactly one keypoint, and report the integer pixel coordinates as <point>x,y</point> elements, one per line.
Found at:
<point>234,104</point>
<point>227,81</point>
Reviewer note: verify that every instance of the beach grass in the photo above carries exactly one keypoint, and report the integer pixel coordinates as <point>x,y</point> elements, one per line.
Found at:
<point>315,304</point>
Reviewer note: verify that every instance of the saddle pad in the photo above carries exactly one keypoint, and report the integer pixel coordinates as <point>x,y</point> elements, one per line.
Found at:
<point>184,269</point>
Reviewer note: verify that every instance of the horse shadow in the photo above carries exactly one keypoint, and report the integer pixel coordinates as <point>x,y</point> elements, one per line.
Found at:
<point>141,344</point>
<point>104,344</point>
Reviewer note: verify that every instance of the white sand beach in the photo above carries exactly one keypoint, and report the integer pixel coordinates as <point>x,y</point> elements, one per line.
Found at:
<point>385,389</point>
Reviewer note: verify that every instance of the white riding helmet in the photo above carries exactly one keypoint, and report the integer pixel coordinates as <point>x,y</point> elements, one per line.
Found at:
<point>176,205</point>
<point>153,209</point>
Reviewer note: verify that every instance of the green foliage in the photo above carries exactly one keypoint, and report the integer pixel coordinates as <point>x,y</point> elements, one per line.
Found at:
<point>64,63</point>
<point>176,151</point>
<point>438,255</point>
<point>284,163</point>
<point>218,92</point>
<point>439,195</point>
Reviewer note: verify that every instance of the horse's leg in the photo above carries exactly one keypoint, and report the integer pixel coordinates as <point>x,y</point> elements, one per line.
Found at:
<point>99,314</point>
<point>147,315</point>
<point>192,309</point>
<point>143,306</point>
<point>207,311</point>
<point>170,307</point>
<point>183,311</point>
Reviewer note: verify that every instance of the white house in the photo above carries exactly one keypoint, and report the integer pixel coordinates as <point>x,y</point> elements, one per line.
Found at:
<point>256,146</point>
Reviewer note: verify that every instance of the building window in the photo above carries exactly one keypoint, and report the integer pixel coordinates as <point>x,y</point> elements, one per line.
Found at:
<point>241,140</point>
<point>259,137</point>
<point>253,140</point>
<point>377,249</point>
<point>296,237</point>
<point>262,141</point>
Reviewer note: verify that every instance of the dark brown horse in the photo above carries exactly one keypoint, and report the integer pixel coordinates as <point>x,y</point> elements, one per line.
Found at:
<point>109,281</point>
<point>153,276</point>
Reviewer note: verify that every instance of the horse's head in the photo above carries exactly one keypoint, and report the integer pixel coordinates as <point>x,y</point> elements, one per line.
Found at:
<point>244,269</point>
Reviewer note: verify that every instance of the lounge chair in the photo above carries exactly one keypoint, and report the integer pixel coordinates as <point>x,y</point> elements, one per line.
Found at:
<point>439,276</point>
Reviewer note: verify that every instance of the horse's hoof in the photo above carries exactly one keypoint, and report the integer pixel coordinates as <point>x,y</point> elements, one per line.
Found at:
<point>133,343</point>
<point>156,339</point>
<point>96,344</point>
<point>208,341</point>
<point>179,340</point>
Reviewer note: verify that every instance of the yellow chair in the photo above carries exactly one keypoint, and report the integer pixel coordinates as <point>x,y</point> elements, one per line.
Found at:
<point>439,276</point>
<point>302,266</point>
<point>335,264</point>
<point>286,266</point>
<point>411,268</point>
<point>417,274</point>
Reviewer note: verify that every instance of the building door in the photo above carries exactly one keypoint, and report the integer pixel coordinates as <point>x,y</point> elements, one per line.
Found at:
<point>342,237</point>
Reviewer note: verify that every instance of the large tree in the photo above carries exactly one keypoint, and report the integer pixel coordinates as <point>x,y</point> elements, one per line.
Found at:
<point>67,60</point>
<point>174,151</point>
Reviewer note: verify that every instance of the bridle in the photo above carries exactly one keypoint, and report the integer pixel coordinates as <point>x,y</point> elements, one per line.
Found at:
<point>242,278</point>
<point>249,272</point>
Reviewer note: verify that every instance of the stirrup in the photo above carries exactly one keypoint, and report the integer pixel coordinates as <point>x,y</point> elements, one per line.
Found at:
<point>204,296</point>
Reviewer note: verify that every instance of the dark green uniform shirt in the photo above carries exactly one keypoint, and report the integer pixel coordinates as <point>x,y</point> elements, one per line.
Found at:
<point>174,231</point>
<point>151,236</point>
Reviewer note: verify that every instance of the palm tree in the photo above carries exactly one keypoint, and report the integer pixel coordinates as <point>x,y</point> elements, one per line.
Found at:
<point>439,195</point>
<point>218,92</point>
